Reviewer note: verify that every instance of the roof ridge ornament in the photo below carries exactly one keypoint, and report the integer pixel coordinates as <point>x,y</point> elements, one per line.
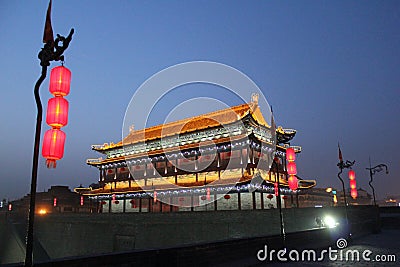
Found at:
<point>254,98</point>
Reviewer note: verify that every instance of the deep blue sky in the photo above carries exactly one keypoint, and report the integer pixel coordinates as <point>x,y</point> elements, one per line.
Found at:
<point>330,69</point>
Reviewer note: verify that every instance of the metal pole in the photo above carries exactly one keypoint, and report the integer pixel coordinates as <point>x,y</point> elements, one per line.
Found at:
<point>370,184</point>
<point>344,195</point>
<point>279,203</point>
<point>370,181</point>
<point>343,187</point>
<point>372,171</point>
<point>31,216</point>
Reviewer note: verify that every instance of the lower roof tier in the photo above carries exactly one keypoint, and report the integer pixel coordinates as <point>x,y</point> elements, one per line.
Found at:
<point>230,178</point>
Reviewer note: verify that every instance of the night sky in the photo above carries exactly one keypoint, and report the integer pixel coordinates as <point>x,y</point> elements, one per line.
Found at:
<point>330,69</point>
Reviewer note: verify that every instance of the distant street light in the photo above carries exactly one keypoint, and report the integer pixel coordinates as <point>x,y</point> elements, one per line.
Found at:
<point>329,189</point>
<point>334,197</point>
<point>372,171</point>
<point>51,51</point>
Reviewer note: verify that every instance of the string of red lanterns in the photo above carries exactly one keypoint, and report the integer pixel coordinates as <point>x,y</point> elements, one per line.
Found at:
<point>292,168</point>
<point>353,184</point>
<point>56,116</point>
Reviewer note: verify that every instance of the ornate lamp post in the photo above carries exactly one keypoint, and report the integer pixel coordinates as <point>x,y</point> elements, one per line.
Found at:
<point>52,51</point>
<point>344,165</point>
<point>372,171</point>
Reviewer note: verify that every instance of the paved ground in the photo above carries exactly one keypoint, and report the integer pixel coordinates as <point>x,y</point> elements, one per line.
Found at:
<point>385,245</point>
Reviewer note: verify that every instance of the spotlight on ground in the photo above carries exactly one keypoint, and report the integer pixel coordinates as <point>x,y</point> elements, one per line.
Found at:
<point>330,222</point>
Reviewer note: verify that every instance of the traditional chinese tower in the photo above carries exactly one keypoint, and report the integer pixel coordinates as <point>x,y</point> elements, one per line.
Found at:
<point>216,161</point>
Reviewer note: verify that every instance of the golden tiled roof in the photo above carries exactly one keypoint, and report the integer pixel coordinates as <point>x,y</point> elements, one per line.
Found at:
<point>201,122</point>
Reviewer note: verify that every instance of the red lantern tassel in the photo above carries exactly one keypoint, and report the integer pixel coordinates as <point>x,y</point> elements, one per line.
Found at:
<point>51,163</point>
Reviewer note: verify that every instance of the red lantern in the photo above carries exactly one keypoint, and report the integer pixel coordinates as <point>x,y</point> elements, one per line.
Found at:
<point>290,154</point>
<point>81,200</point>
<point>352,175</point>
<point>353,184</point>
<point>55,202</point>
<point>203,197</point>
<point>291,168</point>
<point>270,196</point>
<point>116,202</point>
<point>293,182</point>
<point>227,196</point>
<point>57,112</point>
<point>53,146</point>
<point>155,196</point>
<point>276,189</point>
<point>103,202</point>
<point>284,197</point>
<point>60,81</point>
<point>353,193</point>
<point>208,193</point>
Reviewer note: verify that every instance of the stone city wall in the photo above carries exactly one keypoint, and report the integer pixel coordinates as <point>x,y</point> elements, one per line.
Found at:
<point>67,235</point>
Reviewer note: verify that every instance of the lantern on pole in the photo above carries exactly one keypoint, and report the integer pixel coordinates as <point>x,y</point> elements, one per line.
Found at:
<point>290,154</point>
<point>276,189</point>
<point>291,168</point>
<point>60,81</point>
<point>53,146</point>
<point>353,193</point>
<point>352,175</point>
<point>293,182</point>
<point>57,112</point>
<point>353,184</point>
